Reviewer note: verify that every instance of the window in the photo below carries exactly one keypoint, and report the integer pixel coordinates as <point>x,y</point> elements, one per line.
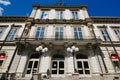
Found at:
<point>59,15</point>
<point>1,32</point>
<point>117,32</point>
<point>75,15</point>
<point>44,15</point>
<point>105,35</point>
<point>11,34</point>
<point>40,32</point>
<point>59,33</point>
<point>78,33</point>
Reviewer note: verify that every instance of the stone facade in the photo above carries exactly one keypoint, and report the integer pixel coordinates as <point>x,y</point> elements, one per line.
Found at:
<point>60,41</point>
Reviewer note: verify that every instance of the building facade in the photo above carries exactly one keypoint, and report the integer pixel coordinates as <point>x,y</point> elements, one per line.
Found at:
<point>60,41</point>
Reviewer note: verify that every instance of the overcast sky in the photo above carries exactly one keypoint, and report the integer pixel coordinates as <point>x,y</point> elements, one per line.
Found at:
<point>95,7</point>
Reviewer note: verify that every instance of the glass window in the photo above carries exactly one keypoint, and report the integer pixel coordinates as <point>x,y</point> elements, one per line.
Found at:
<point>78,33</point>
<point>40,32</point>
<point>75,15</point>
<point>11,34</point>
<point>59,33</point>
<point>117,32</point>
<point>105,35</point>
<point>1,32</point>
<point>44,15</point>
<point>60,15</point>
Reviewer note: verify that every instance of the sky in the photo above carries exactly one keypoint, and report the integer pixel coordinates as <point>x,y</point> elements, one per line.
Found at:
<point>95,7</point>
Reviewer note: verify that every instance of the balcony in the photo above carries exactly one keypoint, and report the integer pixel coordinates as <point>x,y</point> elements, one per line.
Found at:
<point>58,41</point>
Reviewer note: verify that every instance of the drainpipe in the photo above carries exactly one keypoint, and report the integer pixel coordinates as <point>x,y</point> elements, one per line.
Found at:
<point>101,54</point>
<point>112,43</point>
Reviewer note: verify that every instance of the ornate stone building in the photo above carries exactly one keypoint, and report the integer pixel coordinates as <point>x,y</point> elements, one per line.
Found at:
<point>60,41</point>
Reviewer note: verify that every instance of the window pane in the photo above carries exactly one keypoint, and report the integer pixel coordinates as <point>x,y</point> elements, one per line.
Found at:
<point>1,61</point>
<point>40,32</point>
<point>85,64</point>
<point>61,71</point>
<point>54,65</point>
<point>87,72</point>
<point>80,71</point>
<point>61,64</point>
<point>79,64</point>
<point>54,71</point>
<point>30,64</point>
<point>35,64</point>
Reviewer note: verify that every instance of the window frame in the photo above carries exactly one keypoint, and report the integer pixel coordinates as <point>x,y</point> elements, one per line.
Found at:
<point>117,33</point>
<point>3,30</point>
<point>59,30</point>
<point>11,35</point>
<point>105,34</point>
<point>59,15</point>
<point>41,32</point>
<point>79,35</point>
<point>75,15</point>
<point>44,15</point>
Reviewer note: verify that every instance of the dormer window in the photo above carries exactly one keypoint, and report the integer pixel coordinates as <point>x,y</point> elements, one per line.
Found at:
<point>44,15</point>
<point>59,14</point>
<point>75,15</point>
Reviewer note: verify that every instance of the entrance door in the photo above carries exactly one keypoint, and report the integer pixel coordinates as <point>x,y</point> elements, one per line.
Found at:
<point>83,67</point>
<point>82,64</point>
<point>57,67</point>
<point>32,67</point>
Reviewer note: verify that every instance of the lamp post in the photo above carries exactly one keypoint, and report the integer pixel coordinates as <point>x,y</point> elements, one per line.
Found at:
<point>73,49</point>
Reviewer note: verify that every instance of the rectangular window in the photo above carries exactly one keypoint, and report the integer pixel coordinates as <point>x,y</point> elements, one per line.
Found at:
<point>105,35</point>
<point>59,15</point>
<point>75,15</point>
<point>59,33</point>
<point>78,33</point>
<point>44,15</point>
<point>40,32</point>
<point>11,34</point>
<point>117,32</point>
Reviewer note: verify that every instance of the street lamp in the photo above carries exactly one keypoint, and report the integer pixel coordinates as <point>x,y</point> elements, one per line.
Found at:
<point>40,48</point>
<point>72,50</point>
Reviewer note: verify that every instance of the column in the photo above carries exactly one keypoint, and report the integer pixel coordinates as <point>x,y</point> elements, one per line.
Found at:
<point>32,32</point>
<point>70,65</point>
<point>45,62</point>
<point>67,14</point>
<point>38,14</point>
<point>50,32</point>
<point>69,32</point>
<point>52,14</point>
<point>87,34</point>
<point>81,14</point>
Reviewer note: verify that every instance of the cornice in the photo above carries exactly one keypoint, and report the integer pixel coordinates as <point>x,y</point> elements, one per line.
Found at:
<point>55,21</point>
<point>59,7</point>
<point>106,19</point>
<point>13,18</point>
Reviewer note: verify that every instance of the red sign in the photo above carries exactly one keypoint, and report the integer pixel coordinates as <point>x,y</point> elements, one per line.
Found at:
<point>114,57</point>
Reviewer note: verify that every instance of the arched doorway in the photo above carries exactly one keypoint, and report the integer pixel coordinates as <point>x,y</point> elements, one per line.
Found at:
<point>58,65</point>
<point>33,64</point>
<point>82,63</point>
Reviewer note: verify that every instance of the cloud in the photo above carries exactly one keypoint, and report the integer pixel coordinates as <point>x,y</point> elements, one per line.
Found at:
<point>1,11</point>
<point>5,2</point>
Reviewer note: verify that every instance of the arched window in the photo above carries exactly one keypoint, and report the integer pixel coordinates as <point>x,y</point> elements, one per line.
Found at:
<point>2,58</point>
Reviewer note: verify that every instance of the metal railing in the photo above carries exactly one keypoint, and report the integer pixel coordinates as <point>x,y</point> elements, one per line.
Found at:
<point>51,37</point>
